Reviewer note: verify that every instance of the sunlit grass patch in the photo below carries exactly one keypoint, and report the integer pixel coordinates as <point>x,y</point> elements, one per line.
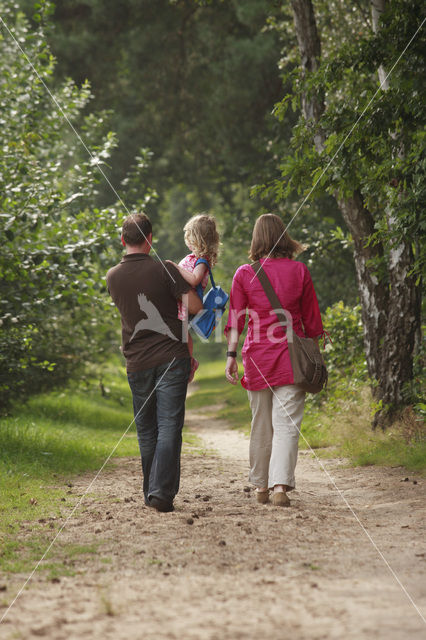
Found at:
<point>193,444</point>
<point>214,394</point>
<point>55,436</point>
<point>343,421</point>
<point>335,423</point>
<point>388,448</point>
<point>49,440</point>
<point>64,433</point>
<point>21,555</point>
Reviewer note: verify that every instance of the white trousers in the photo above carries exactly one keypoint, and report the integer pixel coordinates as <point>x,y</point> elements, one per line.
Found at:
<point>275,429</point>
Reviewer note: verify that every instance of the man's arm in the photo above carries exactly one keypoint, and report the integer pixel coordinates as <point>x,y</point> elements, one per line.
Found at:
<point>193,302</point>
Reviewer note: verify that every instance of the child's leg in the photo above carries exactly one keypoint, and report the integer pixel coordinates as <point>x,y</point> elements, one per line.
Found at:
<point>194,362</point>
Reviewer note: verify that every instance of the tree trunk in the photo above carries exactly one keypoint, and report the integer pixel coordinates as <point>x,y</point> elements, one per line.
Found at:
<point>403,321</point>
<point>310,55</point>
<point>403,318</point>
<point>390,306</point>
<point>372,290</point>
<point>377,8</point>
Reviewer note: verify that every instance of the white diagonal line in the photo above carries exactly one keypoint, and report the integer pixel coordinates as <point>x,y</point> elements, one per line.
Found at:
<point>346,137</point>
<point>345,500</point>
<point>80,139</point>
<point>81,500</point>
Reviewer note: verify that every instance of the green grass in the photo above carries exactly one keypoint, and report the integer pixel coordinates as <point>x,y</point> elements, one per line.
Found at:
<point>336,423</point>
<point>63,433</point>
<point>215,395</point>
<point>342,420</point>
<point>43,445</point>
<point>20,556</point>
<point>67,431</point>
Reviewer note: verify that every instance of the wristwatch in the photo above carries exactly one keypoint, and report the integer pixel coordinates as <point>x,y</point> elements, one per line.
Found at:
<point>231,354</point>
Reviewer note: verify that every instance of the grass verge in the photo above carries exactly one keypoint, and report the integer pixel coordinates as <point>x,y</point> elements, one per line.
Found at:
<point>336,423</point>
<point>43,445</point>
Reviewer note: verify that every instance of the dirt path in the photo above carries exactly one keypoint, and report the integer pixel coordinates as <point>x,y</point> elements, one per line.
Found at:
<point>222,567</point>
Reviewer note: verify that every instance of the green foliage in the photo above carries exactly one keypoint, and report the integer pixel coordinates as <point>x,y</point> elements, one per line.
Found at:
<point>345,351</point>
<point>415,390</point>
<point>343,423</point>
<point>319,229</point>
<point>203,105</point>
<point>56,242</point>
<point>339,424</point>
<point>328,252</point>
<point>388,449</point>
<point>383,155</point>
<point>193,81</point>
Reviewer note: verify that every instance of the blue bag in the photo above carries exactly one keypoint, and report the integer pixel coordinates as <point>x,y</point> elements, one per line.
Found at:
<point>214,303</point>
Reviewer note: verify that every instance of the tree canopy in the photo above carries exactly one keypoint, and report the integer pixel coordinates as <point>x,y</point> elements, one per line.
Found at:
<point>233,107</point>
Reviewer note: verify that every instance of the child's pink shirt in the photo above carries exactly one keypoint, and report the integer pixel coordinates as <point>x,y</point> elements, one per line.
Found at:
<point>188,263</point>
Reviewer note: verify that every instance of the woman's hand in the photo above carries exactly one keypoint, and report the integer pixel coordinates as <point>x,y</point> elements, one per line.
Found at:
<point>231,370</point>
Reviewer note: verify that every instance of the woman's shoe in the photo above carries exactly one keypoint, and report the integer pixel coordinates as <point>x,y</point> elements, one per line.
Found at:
<point>280,499</point>
<point>262,497</point>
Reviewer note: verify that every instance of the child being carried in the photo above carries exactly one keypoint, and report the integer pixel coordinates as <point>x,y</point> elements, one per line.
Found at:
<point>202,239</point>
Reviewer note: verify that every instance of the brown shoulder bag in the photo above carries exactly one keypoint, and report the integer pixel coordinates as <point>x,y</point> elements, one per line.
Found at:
<point>309,370</point>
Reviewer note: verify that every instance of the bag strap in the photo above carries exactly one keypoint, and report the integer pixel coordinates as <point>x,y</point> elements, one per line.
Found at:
<point>204,261</point>
<point>270,293</point>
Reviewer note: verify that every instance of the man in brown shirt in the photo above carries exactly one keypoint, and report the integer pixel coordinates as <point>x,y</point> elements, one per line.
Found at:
<point>146,292</point>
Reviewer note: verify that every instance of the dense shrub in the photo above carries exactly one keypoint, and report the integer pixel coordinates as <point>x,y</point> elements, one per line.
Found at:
<point>345,351</point>
<point>56,245</point>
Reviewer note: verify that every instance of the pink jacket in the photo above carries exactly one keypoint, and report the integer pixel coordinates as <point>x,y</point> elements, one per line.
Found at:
<point>265,353</point>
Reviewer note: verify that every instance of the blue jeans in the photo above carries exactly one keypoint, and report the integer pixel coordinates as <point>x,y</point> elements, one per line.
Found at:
<point>159,397</point>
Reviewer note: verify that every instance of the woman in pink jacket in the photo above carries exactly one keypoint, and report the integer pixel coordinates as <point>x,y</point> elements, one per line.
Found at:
<point>276,403</point>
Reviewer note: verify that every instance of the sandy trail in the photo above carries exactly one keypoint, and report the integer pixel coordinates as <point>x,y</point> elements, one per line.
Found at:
<point>223,567</point>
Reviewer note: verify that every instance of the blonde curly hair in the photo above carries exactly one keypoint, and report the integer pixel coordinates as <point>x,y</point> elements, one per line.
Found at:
<point>202,238</point>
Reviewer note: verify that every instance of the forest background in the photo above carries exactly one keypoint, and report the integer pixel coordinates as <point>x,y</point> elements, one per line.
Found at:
<point>236,108</point>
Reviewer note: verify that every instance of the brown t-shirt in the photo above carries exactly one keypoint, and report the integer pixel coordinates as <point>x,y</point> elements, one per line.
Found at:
<point>146,297</point>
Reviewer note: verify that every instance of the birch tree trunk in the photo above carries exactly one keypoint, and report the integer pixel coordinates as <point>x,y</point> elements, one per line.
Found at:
<point>403,318</point>
<point>372,289</point>
<point>377,8</point>
<point>390,306</point>
<point>372,292</point>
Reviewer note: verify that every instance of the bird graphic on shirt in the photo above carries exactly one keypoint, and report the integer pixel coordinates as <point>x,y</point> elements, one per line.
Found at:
<point>153,320</point>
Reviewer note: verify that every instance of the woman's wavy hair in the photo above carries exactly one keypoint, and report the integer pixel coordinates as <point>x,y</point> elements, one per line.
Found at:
<point>202,237</point>
<point>271,239</point>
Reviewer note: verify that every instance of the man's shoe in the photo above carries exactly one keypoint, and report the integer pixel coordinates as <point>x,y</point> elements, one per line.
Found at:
<point>161,505</point>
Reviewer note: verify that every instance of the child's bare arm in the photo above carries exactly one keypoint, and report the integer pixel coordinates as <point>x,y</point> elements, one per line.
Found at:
<point>193,278</point>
